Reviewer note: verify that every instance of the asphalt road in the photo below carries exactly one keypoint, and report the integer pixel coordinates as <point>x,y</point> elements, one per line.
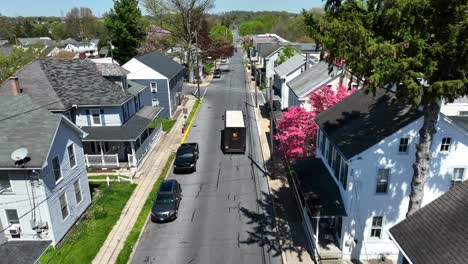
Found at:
<point>223,217</point>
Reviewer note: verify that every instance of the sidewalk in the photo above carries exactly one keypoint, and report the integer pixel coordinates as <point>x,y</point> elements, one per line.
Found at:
<point>288,220</point>
<point>148,174</point>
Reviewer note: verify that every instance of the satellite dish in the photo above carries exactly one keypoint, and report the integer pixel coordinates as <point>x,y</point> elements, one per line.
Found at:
<point>19,154</point>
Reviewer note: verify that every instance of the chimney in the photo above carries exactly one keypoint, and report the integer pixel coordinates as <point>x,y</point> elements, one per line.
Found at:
<point>307,61</point>
<point>15,87</point>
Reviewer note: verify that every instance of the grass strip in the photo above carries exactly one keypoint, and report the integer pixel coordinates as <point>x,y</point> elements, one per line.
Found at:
<point>167,123</point>
<point>102,177</point>
<point>192,113</point>
<point>132,238</point>
<point>84,242</point>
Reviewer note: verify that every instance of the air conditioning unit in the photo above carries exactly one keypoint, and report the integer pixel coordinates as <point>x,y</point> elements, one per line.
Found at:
<point>15,229</point>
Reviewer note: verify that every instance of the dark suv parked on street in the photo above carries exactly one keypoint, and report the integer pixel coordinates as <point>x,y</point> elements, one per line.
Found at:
<point>186,158</point>
<point>166,204</point>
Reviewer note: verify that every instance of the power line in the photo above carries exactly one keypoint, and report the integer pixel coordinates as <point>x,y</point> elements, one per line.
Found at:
<point>28,111</point>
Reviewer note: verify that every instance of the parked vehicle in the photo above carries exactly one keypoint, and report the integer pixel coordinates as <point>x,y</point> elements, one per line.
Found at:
<point>223,60</point>
<point>217,73</point>
<point>234,134</point>
<point>166,204</point>
<point>186,158</point>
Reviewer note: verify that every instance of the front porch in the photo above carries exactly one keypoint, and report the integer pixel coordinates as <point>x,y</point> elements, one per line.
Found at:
<point>122,146</point>
<point>322,209</point>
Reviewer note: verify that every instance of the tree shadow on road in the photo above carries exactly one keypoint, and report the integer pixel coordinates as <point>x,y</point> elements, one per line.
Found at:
<point>284,232</point>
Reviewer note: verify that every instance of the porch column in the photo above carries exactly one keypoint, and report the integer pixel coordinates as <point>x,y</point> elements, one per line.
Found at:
<point>317,233</point>
<point>102,154</point>
<point>133,153</point>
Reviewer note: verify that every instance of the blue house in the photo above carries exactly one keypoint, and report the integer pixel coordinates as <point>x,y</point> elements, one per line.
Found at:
<point>116,113</point>
<point>163,75</point>
<point>44,192</point>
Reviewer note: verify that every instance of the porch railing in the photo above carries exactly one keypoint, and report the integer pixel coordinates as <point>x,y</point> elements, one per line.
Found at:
<point>102,160</point>
<point>145,146</point>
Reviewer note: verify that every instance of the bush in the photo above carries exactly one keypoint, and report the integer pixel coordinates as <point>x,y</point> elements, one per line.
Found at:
<point>207,68</point>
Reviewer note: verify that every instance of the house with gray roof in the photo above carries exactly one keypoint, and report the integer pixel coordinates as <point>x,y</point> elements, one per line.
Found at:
<point>267,54</point>
<point>287,71</point>
<point>437,232</point>
<point>313,78</point>
<point>43,181</point>
<point>116,113</point>
<point>365,152</point>
<point>90,49</point>
<point>41,41</point>
<point>163,75</point>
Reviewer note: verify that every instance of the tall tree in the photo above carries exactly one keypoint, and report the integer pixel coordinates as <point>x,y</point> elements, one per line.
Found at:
<point>183,18</point>
<point>126,30</point>
<point>417,46</point>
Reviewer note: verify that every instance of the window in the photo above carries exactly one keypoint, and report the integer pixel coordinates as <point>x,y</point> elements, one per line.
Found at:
<point>155,102</point>
<point>403,148</point>
<point>458,175</point>
<point>96,117</point>
<point>382,180</point>
<point>344,173</point>
<point>329,153</point>
<point>71,155</point>
<point>154,87</point>
<point>445,146</point>
<point>125,112</point>
<point>56,169</point>
<point>376,229</point>
<point>136,100</point>
<point>12,216</point>
<point>63,206</point>
<point>77,188</point>
<point>5,184</point>
<point>463,113</point>
<point>322,143</point>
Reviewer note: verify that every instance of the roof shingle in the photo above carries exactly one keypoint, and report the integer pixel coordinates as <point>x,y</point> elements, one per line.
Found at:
<point>437,233</point>
<point>161,63</point>
<point>316,76</point>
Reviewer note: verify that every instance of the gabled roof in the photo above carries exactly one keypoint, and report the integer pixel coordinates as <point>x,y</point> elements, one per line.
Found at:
<point>307,47</point>
<point>111,69</point>
<point>461,121</point>
<point>26,124</point>
<point>36,41</point>
<point>362,120</point>
<point>290,65</point>
<point>60,84</point>
<point>161,63</point>
<point>267,49</point>
<point>437,233</point>
<point>316,76</point>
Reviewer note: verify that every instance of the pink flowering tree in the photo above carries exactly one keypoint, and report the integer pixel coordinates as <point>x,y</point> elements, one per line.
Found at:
<point>297,130</point>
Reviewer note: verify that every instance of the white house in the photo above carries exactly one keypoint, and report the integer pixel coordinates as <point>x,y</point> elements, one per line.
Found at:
<point>268,54</point>
<point>298,89</point>
<point>359,185</point>
<point>88,48</point>
<point>43,186</point>
<point>458,108</point>
<point>286,72</point>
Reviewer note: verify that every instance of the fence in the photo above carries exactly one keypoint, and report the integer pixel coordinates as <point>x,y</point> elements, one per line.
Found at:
<point>102,160</point>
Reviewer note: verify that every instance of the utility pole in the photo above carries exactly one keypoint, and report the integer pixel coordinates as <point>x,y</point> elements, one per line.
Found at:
<point>198,65</point>
<point>272,148</point>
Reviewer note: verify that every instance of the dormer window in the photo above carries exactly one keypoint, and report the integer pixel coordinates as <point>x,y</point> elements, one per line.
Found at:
<point>445,146</point>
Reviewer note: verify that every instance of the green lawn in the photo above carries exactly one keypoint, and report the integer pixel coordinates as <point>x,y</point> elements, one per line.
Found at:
<point>102,177</point>
<point>167,123</point>
<point>82,245</point>
<point>124,255</point>
<point>192,113</point>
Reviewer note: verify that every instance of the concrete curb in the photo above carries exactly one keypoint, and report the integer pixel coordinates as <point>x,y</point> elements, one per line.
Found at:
<point>191,122</point>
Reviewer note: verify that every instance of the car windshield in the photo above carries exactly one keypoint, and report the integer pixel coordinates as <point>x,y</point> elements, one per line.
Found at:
<point>165,198</point>
<point>185,153</point>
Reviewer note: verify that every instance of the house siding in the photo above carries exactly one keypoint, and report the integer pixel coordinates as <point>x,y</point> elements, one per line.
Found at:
<point>45,190</point>
<point>360,197</point>
<point>162,95</point>
<point>65,136</point>
<point>113,116</point>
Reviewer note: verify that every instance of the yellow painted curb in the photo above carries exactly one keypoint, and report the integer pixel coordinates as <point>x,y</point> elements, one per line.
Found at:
<point>190,124</point>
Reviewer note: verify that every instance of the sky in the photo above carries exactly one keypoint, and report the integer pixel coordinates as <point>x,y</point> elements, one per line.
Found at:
<point>99,7</point>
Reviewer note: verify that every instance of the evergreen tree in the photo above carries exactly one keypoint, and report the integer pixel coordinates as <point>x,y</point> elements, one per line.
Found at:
<point>126,29</point>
